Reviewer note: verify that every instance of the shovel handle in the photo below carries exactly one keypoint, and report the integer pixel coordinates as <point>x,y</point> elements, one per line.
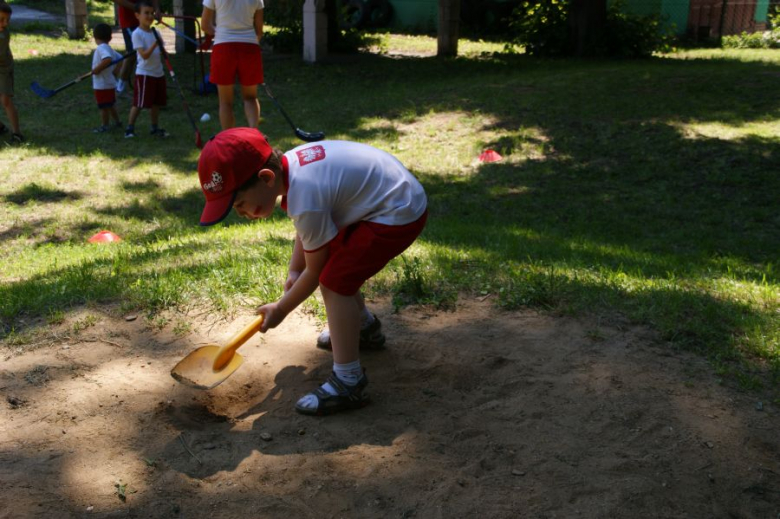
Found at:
<point>227,351</point>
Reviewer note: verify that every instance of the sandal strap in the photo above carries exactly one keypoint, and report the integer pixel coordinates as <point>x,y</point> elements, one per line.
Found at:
<point>347,397</point>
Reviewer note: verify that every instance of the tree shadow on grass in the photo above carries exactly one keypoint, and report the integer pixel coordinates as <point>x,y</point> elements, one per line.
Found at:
<point>37,193</point>
<point>619,180</point>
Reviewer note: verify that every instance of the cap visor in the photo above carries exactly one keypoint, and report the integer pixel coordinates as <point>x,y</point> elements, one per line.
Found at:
<point>217,210</point>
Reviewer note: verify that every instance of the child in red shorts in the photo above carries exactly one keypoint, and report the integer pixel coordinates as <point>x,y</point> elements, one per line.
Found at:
<point>103,79</point>
<point>150,89</point>
<point>127,23</point>
<point>236,54</point>
<point>354,208</point>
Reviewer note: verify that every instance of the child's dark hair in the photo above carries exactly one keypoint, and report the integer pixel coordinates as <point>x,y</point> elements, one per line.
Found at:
<point>5,8</point>
<point>142,4</point>
<point>274,163</point>
<point>102,32</point>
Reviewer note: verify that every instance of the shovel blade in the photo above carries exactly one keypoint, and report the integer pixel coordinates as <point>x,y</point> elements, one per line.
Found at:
<point>196,369</point>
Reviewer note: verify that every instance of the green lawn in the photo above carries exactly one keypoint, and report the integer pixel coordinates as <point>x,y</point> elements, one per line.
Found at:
<point>642,188</point>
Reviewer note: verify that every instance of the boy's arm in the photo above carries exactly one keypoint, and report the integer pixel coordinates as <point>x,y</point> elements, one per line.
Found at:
<point>306,284</point>
<point>147,53</point>
<point>259,24</point>
<point>103,65</point>
<point>207,21</point>
<point>297,264</point>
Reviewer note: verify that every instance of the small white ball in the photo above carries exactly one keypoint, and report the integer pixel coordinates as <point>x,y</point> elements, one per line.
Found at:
<point>205,118</point>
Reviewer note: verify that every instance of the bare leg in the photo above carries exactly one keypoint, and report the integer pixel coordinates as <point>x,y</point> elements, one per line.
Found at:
<point>155,113</point>
<point>360,301</point>
<point>134,111</point>
<point>344,323</point>
<point>251,105</point>
<point>128,65</point>
<point>226,117</point>
<point>104,116</point>
<point>114,115</point>
<point>10,111</point>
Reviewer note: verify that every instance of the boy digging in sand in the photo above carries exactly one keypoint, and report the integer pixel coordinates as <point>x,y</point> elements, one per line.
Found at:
<point>354,208</point>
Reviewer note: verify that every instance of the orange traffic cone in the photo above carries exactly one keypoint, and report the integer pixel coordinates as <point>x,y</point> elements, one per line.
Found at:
<point>490,156</point>
<point>104,237</point>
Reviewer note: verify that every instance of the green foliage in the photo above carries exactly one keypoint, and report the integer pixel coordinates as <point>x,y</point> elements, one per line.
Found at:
<point>286,16</point>
<point>769,39</point>
<point>632,36</point>
<point>286,19</point>
<point>756,40</point>
<point>542,27</point>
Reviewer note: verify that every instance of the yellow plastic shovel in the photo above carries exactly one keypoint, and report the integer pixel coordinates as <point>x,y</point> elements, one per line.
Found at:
<point>210,365</point>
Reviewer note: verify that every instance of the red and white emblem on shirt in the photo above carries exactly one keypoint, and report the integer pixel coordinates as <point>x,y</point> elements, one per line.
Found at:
<point>309,155</point>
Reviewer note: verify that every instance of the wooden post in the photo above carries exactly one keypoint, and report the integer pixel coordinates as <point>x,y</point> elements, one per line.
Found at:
<point>76,17</point>
<point>315,31</point>
<point>449,26</point>
<point>185,8</point>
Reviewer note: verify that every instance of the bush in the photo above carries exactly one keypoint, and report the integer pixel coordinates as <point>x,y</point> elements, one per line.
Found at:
<point>755,40</point>
<point>632,36</point>
<point>287,17</point>
<point>541,26</point>
<point>758,40</point>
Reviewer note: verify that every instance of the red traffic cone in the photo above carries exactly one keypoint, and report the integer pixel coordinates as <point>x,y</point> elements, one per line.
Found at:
<point>104,237</point>
<point>490,156</point>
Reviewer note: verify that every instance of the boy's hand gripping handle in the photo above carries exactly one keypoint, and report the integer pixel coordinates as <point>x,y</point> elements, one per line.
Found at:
<point>228,350</point>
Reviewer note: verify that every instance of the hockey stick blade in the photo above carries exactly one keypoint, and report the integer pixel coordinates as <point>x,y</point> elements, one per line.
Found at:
<point>40,91</point>
<point>309,136</point>
<point>304,136</point>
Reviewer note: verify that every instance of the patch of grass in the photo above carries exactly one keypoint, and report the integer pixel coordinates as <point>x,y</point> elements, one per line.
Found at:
<point>86,322</point>
<point>644,187</point>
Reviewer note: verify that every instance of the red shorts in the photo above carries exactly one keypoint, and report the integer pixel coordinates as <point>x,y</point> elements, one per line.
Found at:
<point>150,91</point>
<point>363,249</point>
<point>105,97</point>
<point>229,60</point>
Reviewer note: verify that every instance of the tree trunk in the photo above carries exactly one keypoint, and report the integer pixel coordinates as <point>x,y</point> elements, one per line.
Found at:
<point>449,25</point>
<point>587,19</point>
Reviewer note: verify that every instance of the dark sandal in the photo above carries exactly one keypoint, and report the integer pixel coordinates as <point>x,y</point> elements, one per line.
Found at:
<point>371,337</point>
<point>348,397</point>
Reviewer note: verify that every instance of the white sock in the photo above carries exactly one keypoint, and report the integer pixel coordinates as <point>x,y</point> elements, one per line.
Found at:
<point>366,318</point>
<point>349,374</point>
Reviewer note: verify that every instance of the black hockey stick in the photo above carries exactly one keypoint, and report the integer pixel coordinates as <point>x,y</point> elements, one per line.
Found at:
<point>302,135</point>
<point>198,140</point>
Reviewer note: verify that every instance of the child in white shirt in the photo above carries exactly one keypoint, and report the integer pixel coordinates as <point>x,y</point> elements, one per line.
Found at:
<point>103,78</point>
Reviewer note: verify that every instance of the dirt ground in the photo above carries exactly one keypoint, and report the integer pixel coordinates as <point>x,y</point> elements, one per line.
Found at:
<point>475,413</point>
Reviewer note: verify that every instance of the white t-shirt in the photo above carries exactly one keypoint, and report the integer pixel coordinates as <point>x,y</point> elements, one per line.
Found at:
<point>105,80</point>
<point>147,67</point>
<point>234,20</point>
<point>334,184</point>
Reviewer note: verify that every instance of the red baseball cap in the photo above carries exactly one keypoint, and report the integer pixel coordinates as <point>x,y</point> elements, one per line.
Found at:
<point>227,161</point>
